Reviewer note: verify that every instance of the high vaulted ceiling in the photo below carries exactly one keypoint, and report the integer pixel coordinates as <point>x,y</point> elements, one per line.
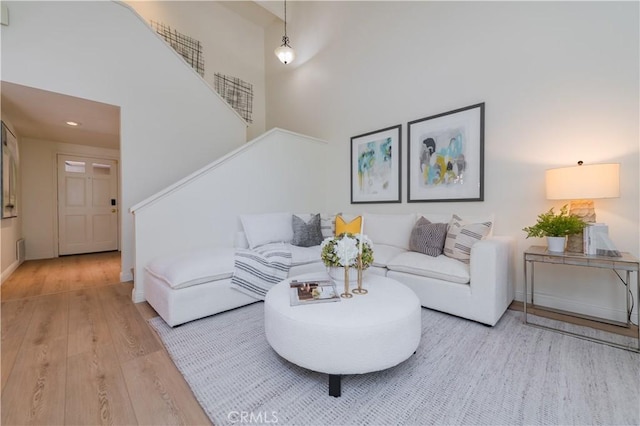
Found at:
<point>40,114</point>
<point>264,15</point>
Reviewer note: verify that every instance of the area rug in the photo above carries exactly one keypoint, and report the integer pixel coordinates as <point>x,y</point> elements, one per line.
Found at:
<point>462,373</point>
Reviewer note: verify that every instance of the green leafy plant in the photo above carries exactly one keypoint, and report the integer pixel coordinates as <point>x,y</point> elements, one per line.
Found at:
<point>343,250</point>
<point>550,224</point>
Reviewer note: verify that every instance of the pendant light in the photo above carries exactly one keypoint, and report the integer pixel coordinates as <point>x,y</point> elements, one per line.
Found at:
<point>285,53</point>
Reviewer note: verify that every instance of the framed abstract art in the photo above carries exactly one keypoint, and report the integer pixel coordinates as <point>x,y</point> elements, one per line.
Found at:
<point>446,156</point>
<point>375,166</point>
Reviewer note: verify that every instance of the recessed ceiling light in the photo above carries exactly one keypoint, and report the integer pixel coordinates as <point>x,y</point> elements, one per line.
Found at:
<point>72,123</point>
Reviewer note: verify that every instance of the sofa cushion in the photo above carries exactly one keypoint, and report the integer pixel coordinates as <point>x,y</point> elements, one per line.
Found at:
<point>441,267</point>
<point>353,227</point>
<point>306,234</point>
<point>382,254</point>
<point>462,236</point>
<point>428,238</point>
<point>193,267</point>
<point>389,229</point>
<point>261,229</point>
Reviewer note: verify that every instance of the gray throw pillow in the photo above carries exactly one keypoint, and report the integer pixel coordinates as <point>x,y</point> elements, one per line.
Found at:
<point>306,234</point>
<point>428,238</point>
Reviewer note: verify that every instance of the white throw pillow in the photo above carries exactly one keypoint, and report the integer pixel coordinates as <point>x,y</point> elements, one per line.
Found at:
<point>390,229</point>
<point>262,229</point>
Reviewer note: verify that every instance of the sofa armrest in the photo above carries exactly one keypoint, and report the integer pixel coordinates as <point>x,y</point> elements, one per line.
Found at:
<point>491,272</point>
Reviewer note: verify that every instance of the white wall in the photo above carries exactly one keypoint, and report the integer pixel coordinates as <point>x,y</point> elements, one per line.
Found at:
<point>278,172</point>
<point>171,123</point>
<point>560,81</point>
<point>231,45</point>
<point>39,183</point>
<point>11,228</point>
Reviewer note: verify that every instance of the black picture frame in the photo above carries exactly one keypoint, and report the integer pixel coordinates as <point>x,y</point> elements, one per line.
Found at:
<point>376,166</point>
<point>445,156</point>
<point>9,172</point>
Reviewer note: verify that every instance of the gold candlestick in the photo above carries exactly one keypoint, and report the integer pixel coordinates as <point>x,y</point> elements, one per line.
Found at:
<point>346,293</point>
<point>360,290</point>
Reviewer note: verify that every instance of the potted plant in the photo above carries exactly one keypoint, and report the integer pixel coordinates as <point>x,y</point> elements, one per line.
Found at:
<point>556,227</point>
<point>338,252</point>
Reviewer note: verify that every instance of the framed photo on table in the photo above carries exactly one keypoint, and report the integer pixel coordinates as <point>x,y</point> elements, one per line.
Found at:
<point>446,156</point>
<point>375,166</point>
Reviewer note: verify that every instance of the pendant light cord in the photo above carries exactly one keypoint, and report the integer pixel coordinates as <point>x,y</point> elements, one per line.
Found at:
<point>285,18</point>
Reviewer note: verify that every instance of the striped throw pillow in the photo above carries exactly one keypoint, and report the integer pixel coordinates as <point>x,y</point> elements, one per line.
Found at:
<point>461,236</point>
<point>328,224</point>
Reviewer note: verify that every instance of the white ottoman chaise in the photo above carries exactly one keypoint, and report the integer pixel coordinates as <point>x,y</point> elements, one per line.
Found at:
<point>362,334</point>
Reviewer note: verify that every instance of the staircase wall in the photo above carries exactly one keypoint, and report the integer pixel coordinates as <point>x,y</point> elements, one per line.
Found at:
<point>231,44</point>
<point>171,121</point>
<point>279,171</point>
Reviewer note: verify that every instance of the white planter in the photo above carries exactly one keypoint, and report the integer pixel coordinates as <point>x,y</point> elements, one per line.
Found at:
<point>556,244</point>
<point>337,274</point>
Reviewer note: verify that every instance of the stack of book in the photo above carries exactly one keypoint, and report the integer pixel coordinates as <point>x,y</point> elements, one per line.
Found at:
<point>597,242</point>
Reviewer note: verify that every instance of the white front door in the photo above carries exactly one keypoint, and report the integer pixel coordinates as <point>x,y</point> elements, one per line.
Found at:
<point>87,205</point>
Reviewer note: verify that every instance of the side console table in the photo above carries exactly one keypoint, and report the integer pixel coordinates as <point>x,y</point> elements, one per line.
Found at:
<point>626,263</point>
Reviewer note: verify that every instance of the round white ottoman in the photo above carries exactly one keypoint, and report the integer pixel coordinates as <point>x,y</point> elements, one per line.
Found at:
<point>362,334</point>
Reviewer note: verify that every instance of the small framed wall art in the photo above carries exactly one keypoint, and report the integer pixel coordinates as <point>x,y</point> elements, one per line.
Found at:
<point>9,173</point>
<point>446,156</point>
<point>375,166</point>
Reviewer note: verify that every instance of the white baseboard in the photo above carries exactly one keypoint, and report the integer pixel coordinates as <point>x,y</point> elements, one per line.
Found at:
<point>126,276</point>
<point>554,302</point>
<point>137,296</point>
<point>7,272</point>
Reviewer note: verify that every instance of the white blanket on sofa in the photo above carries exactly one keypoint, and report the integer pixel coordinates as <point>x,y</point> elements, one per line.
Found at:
<point>256,271</point>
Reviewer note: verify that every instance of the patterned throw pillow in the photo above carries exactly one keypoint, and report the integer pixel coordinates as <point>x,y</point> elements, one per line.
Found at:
<point>462,236</point>
<point>306,234</point>
<point>427,237</point>
<point>328,224</point>
<point>352,227</point>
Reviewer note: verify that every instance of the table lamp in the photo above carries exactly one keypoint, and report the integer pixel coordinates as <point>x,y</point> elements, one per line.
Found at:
<point>582,184</point>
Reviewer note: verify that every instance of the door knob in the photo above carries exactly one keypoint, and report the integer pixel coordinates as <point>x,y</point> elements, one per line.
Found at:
<point>113,210</point>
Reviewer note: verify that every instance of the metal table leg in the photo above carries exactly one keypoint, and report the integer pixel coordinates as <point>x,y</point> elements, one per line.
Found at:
<point>525,292</point>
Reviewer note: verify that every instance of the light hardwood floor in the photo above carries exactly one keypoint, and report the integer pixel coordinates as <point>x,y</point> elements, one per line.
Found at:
<point>77,350</point>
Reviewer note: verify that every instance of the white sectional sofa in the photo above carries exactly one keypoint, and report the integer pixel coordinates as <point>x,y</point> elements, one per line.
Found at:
<point>186,286</point>
<point>197,283</point>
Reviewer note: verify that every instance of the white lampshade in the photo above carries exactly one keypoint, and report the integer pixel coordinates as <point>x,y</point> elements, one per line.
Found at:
<point>585,182</point>
<point>285,53</point>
